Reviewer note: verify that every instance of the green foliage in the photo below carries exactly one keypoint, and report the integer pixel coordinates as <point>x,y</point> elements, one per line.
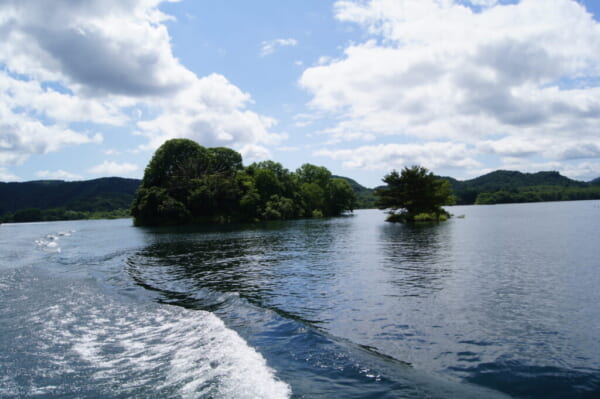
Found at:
<point>504,186</point>
<point>431,217</point>
<point>340,196</point>
<point>312,174</point>
<point>27,215</point>
<point>187,183</point>
<point>365,197</point>
<point>538,194</point>
<point>59,200</point>
<point>176,162</point>
<point>317,214</point>
<point>154,206</point>
<point>415,191</point>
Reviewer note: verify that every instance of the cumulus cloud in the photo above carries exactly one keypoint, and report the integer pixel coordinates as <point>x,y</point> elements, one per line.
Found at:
<point>498,80</point>
<point>212,112</point>
<point>433,155</point>
<point>22,135</point>
<point>110,168</point>
<point>31,96</point>
<point>57,174</point>
<point>269,46</point>
<point>584,171</point>
<point>95,61</point>
<point>108,46</point>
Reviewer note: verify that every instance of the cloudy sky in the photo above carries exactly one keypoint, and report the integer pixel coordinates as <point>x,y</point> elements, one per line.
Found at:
<point>90,88</point>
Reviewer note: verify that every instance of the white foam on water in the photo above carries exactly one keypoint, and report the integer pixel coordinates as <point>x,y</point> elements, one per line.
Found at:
<point>49,243</point>
<point>169,350</point>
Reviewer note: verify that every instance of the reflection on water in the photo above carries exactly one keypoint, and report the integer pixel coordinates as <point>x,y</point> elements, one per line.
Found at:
<point>262,265</point>
<point>503,298</point>
<point>416,257</point>
<point>329,279</point>
<point>347,276</point>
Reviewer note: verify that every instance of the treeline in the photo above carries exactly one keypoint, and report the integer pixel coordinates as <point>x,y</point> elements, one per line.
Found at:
<point>503,186</point>
<point>365,197</point>
<point>187,183</point>
<point>49,200</point>
<point>539,194</point>
<point>266,190</point>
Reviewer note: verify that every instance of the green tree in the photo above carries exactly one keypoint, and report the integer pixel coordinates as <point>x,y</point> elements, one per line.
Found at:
<point>414,192</point>
<point>175,163</point>
<point>312,174</point>
<point>187,183</point>
<point>313,198</point>
<point>28,215</point>
<point>340,197</point>
<point>224,161</point>
<point>154,206</point>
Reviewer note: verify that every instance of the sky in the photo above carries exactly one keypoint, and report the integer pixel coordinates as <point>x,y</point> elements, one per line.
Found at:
<point>91,88</point>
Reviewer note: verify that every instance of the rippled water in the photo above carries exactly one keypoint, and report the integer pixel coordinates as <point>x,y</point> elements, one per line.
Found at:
<point>500,303</point>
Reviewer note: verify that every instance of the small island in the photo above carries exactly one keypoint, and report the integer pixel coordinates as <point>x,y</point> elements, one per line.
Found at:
<point>186,183</point>
<point>414,195</point>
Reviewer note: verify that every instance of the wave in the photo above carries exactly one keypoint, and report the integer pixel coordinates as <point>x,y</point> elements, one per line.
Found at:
<point>49,243</point>
<point>76,340</point>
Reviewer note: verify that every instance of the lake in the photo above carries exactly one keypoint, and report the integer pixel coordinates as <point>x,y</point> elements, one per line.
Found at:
<point>501,303</point>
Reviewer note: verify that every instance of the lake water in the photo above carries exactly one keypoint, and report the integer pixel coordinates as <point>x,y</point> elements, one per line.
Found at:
<point>504,302</point>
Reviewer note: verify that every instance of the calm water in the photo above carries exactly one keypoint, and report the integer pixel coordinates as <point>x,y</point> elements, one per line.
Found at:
<point>502,303</point>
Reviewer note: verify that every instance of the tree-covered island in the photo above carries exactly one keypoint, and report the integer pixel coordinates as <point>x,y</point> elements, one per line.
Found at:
<point>414,195</point>
<point>188,183</point>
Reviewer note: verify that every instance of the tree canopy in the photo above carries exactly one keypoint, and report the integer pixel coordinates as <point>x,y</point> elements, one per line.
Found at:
<point>416,193</point>
<point>187,183</point>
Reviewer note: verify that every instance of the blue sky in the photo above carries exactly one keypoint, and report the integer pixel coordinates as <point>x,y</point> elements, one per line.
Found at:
<point>91,88</point>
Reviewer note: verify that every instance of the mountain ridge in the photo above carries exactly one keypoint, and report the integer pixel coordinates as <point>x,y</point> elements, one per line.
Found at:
<point>107,194</point>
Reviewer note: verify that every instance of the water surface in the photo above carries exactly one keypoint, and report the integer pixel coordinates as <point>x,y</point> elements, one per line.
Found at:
<point>500,303</point>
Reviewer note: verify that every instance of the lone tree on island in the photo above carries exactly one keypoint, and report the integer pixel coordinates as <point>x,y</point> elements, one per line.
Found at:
<point>416,193</point>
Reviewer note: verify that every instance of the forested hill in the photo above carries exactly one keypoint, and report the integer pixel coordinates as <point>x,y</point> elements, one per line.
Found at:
<point>503,186</point>
<point>365,196</point>
<point>57,199</point>
<point>112,196</point>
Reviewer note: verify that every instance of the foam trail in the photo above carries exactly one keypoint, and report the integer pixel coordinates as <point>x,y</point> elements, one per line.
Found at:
<point>91,344</point>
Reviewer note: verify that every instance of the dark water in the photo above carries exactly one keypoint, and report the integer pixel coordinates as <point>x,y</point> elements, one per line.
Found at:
<point>502,303</point>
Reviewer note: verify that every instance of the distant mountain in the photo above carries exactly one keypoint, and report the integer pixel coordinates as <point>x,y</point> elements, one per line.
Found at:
<point>503,186</point>
<point>57,199</point>
<point>104,194</point>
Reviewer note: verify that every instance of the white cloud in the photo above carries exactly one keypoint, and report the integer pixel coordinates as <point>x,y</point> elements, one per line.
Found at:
<point>252,153</point>
<point>22,135</point>
<point>100,62</point>
<point>6,176</point>
<point>57,174</point>
<point>269,46</point>
<point>56,106</point>
<point>499,81</point>
<point>110,168</point>
<point>486,3</point>
<point>108,46</point>
<point>556,148</point>
<point>433,155</point>
<point>212,112</point>
<point>584,171</point>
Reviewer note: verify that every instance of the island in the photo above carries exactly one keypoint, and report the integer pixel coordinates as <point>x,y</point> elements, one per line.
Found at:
<point>414,195</point>
<point>186,183</point>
